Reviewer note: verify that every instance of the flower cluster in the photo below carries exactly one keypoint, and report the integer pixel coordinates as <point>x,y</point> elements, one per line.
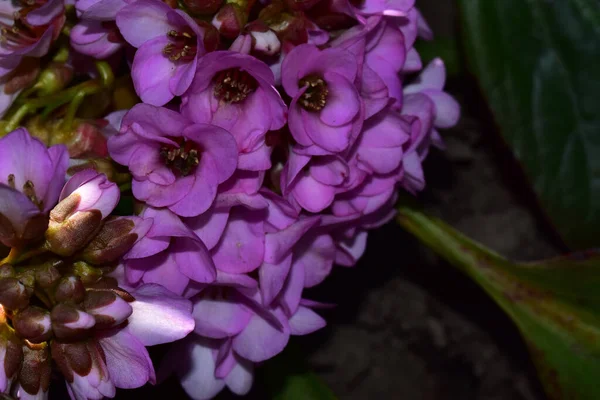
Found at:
<point>58,301</point>
<point>260,149</point>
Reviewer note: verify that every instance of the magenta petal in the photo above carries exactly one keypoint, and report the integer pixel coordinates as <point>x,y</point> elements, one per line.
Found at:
<point>144,20</point>
<point>272,278</point>
<point>305,321</point>
<point>195,363</point>
<point>183,77</point>
<point>194,260</point>
<point>159,316</point>
<point>219,317</point>
<point>103,10</point>
<point>241,248</point>
<point>292,292</point>
<point>217,144</point>
<point>447,109</point>
<point>333,139</point>
<point>279,243</point>
<point>240,379</point>
<point>432,77</point>
<point>317,258</point>
<point>159,195</point>
<point>152,71</point>
<point>209,226</point>
<point>127,359</point>
<point>46,13</point>
<point>261,340</point>
<point>312,195</point>
<point>166,273</point>
<point>296,122</point>
<point>343,101</point>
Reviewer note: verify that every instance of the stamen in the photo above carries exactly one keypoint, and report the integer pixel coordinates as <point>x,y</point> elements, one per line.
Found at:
<point>233,85</point>
<point>29,191</point>
<point>183,159</point>
<point>11,181</point>
<point>183,46</point>
<point>315,96</point>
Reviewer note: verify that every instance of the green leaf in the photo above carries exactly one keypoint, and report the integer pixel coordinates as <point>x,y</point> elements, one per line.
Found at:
<point>537,63</point>
<point>554,303</point>
<point>288,378</point>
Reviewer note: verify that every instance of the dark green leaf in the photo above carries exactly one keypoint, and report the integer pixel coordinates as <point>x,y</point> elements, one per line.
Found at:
<point>554,303</point>
<point>288,378</point>
<point>537,63</point>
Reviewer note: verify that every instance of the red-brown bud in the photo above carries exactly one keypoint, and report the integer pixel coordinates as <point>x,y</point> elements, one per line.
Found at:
<point>33,323</point>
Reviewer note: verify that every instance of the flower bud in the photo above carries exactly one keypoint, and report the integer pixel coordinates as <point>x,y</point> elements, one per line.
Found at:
<point>230,20</point>
<point>86,140</point>
<point>87,198</point>
<point>70,323</point>
<point>14,294</point>
<point>33,323</point>
<point>86,272</point>
<point>11,354</point>
<point>70,288</point>
<point>83,366</point>
<point>115,238</point>
<point>265,41</point>
<point>107,307</point>
<point>34,377</point>
<point>46,275</point>
<point>202,7</point>
<point>54,78</point>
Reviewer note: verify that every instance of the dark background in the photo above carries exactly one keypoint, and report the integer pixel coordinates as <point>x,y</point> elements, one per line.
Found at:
<point>407,325</point>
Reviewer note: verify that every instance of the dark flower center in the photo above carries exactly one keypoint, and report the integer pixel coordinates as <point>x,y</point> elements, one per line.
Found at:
<point>20,34</point>
<point>315,96</point>
<point>28,190</point>
<point>113,35</point>
<point>183,159</point>
<point>183,46</point>
<point>234,85</point>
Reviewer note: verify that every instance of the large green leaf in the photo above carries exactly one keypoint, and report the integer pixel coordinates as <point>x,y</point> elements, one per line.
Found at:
<point>288,378</point>
<point>538,64</point>
<point>554,303</point>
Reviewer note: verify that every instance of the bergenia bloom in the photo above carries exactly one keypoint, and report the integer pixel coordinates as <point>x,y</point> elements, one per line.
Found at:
<point>31,179</point>
<point>235,91</point>
<point>169,45</point>
<point>97,34</point>
<point>94,330</point>
<point>174,162</point>
<point>326,111</point>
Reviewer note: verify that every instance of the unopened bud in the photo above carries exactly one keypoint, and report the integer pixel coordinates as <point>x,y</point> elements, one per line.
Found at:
<point>14,294</point>
<point>70,230</point>
<point>202,7</point>
<point>47,274</point>
<point>107,307</point>
<point>115,238</point>
<point>230,20</point>
<point>113,172</point>
<point>86,272</point>
<point>54,78</point>
<point>264,39</point>
<point>70,288</point>
<point>11,354</point>
<point>34,377</point>
<point>33,324</point>
<point>87,198</point>
<point>70,323</point>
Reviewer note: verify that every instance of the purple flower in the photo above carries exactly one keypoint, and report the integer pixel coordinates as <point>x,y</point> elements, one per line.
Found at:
<point>98,39</point>
<point>117,357</point>
<point>169,45</point>
<point>169,254</point>
<point>31,33</point>
<point>31,178</point>
<point>235,331</point>
<point>235,91</point>
<point>326,111</point>
<point>382,47</point>
<point>174,162</point>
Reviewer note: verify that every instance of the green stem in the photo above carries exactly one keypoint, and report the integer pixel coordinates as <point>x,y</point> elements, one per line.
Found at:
<point>15,119</point>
